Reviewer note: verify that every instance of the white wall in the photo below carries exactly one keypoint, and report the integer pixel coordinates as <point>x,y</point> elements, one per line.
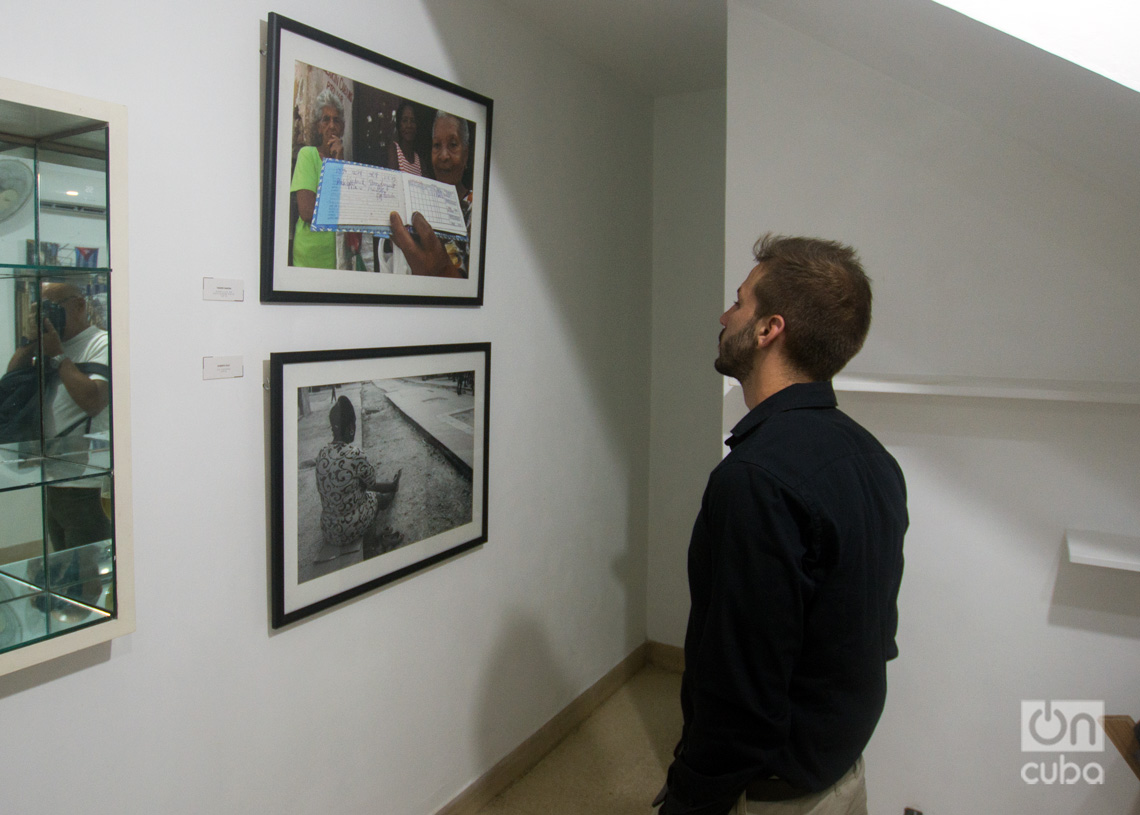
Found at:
<point>991,611</point>
<point>396,701</point>
<point>989,259</point>
<point>688,262</point>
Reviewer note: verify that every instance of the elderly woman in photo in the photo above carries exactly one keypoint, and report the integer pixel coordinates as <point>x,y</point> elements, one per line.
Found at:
<point>450,151</point>
<point>351,497</point>
<point>316,249</point>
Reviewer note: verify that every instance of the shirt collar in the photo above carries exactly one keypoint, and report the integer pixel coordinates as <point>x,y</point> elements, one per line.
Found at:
<point>793,397</point>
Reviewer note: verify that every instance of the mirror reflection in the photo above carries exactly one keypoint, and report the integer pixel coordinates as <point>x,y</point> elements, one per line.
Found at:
<point>56,477</point>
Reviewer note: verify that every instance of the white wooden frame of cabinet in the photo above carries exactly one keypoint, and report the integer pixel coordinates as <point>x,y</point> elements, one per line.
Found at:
<point>124,620</point>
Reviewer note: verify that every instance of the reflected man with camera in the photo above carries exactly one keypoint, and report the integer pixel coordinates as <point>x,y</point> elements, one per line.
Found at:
<point>77,357</point>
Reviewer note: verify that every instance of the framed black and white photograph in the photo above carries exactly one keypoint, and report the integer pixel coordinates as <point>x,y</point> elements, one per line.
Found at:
<point>374,185</point>
<point>378,464</point>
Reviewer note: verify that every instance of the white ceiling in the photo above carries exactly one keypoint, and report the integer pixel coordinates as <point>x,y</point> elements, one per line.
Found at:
<point>1101,35</point>
<point>670,46</point>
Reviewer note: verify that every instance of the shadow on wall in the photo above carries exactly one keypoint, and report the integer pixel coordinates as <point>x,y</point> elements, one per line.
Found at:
<point>583,204</point>
<point>523,676</point>
<point>45,672</point>
<point>558,166</point>
<point>577,203</point>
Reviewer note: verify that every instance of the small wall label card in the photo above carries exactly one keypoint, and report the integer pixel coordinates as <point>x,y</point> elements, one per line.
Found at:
<point>216,288</point>
<point>222,368</point>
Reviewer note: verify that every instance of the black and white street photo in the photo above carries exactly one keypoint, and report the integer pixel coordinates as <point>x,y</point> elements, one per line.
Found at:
<point>398,472</point>
<point>378,467</point>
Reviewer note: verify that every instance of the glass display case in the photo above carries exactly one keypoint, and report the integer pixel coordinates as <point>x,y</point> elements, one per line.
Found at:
<point>64,529</point>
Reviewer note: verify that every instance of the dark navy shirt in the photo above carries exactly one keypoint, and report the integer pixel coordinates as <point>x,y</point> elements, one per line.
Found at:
<point>794,570</point>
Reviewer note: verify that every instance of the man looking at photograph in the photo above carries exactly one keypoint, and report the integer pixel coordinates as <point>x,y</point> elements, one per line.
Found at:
<point>795,559</point>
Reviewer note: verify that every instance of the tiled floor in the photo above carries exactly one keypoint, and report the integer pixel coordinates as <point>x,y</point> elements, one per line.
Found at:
<point>613,764</point>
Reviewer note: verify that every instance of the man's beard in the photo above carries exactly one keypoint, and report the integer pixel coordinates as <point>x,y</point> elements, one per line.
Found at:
<point>737,352</point>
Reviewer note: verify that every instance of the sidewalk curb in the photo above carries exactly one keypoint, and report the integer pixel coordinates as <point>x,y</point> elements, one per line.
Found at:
<point>462,466</point>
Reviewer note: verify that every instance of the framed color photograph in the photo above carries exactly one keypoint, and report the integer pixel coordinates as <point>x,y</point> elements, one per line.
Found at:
<point>378,467</point>
<point>351,137</point>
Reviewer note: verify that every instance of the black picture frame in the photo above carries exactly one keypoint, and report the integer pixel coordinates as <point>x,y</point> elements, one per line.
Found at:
<point>420,411</point>
<point>371,88</point>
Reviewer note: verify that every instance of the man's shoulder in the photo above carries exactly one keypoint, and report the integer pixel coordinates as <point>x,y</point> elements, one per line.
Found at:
<point>794,444</point>
<point>89,345</point>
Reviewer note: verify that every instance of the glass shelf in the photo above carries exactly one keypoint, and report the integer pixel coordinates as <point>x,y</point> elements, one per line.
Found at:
<point>63,272</point>
<point>76,589</point>
<point>19,470</point>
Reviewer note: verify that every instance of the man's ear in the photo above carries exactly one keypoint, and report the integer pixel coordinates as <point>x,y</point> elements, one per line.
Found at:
<point>768,328</point>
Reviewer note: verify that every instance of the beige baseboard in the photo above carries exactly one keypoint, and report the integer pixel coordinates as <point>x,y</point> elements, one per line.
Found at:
<point>666,657</point>
<point>523,758</point>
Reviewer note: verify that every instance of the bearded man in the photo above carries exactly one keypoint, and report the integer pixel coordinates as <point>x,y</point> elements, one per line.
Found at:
<point>795,559</point>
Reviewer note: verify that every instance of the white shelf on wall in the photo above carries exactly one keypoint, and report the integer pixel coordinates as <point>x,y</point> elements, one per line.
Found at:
<point>1103,549</point>
<point>1056,390</point>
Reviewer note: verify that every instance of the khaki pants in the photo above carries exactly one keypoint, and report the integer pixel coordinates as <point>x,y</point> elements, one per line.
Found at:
<point>848,796</point>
